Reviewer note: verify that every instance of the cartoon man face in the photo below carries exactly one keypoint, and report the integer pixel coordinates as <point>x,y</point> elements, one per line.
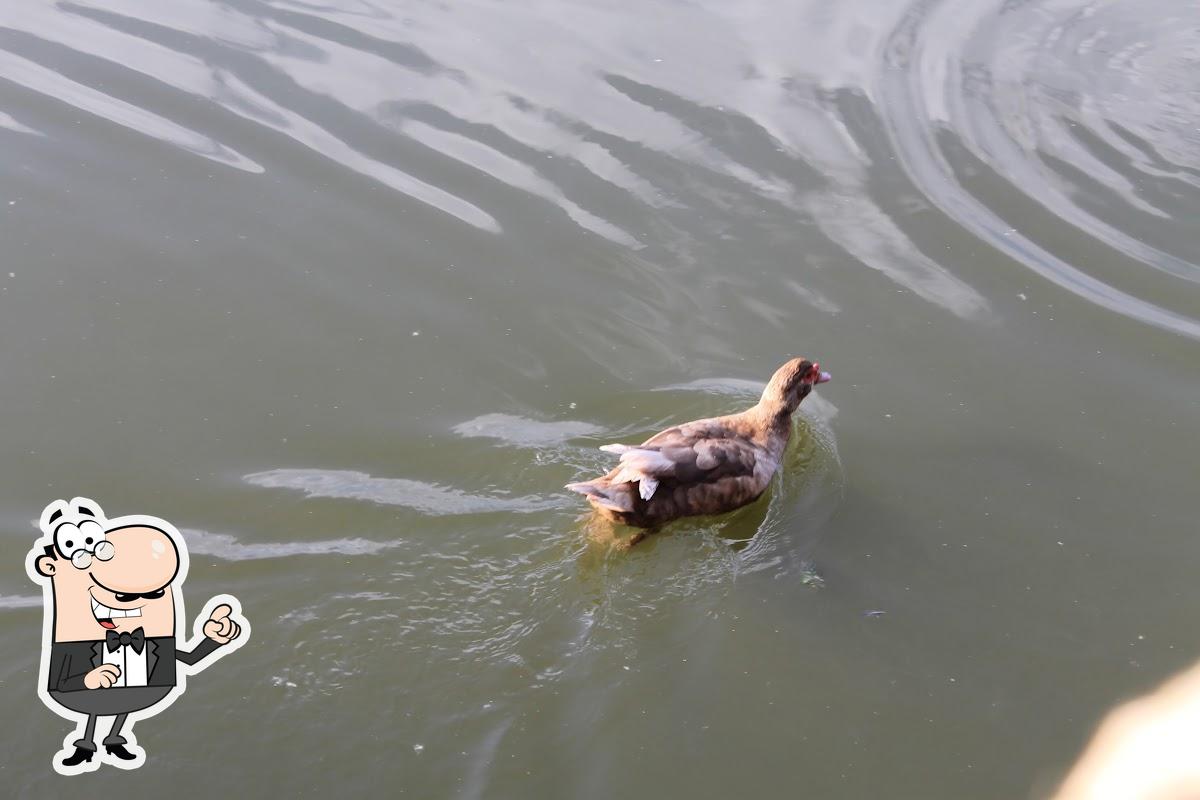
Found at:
<point>112,595</point>
<point>131,588</point>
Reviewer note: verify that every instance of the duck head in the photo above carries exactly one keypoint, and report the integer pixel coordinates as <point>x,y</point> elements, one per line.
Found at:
<point>790,384</point>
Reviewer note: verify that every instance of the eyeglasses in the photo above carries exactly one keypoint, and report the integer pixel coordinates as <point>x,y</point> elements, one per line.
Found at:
<point>83,542</point>
<point>82,559</point>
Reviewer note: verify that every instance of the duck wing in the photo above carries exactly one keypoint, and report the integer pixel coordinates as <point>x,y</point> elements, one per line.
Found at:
<point>693,454</point>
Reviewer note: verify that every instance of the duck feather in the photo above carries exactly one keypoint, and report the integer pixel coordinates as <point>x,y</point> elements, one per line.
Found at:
<point>706,466</point>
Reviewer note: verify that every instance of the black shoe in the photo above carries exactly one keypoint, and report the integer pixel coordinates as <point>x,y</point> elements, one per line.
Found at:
<point>78,757</point>
<point>119,751</point>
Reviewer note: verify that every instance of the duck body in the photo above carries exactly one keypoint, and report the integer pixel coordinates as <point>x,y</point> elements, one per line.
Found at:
<point>708,466</point>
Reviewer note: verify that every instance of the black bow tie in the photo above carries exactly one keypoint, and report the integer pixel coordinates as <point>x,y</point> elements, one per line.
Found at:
<point>136,640</point>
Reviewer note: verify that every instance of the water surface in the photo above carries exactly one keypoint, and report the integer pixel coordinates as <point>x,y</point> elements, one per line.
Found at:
<point>347,291</point>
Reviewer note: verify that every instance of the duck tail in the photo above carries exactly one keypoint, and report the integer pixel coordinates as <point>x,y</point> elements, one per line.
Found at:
<point>601,492</point>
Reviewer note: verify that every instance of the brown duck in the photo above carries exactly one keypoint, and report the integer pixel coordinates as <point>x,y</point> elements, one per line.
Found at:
<point>708,466</point>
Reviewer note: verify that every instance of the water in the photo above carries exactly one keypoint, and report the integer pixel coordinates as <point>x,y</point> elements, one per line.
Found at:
<point>348,291</point>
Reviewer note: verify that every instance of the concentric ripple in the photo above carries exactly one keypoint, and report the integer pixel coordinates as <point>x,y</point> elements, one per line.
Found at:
<point>1054,129</point>
<point>1062,135</point>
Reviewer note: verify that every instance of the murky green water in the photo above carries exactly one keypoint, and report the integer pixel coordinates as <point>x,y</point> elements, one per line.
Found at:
<point>348,292</point>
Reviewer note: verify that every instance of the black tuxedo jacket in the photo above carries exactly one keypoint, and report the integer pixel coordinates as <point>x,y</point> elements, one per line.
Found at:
<point>70,661</point>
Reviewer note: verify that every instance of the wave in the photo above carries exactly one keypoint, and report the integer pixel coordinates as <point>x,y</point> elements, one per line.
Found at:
<point>427,498</point>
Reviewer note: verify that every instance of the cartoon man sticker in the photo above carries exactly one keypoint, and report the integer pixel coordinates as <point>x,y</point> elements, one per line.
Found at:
<point>112,598</point>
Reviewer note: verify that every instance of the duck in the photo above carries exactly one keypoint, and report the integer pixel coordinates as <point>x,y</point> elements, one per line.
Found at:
<point>707,466</point>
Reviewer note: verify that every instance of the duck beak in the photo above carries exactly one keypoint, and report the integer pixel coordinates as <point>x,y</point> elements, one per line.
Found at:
<point>824,377</point>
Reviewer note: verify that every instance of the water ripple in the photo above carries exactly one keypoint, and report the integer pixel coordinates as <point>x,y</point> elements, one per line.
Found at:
<point>46,81</point>
<point>9,601</point>
<point>1083,110</point>
<point>990,114</point>
<point>524,432</point>
<point>229,548</point>
<point>427,498</point>
<point>6,121</point>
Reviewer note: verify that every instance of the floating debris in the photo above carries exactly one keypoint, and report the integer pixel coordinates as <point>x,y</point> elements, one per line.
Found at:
<point>874,613</point>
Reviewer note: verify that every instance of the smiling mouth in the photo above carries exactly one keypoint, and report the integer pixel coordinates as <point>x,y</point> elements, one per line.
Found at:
<point>105,615</point>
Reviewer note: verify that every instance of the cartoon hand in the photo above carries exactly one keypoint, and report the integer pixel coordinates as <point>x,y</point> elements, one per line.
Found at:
<point>102,676</point>
<point>220,628</point>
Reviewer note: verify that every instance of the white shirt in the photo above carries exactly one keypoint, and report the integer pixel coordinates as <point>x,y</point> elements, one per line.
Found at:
<point>132,664</point>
